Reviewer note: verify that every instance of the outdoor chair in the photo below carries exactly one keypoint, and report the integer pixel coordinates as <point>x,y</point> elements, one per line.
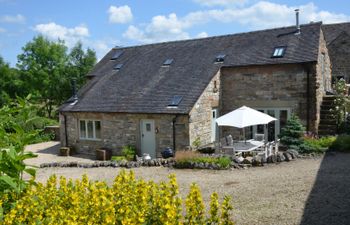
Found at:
<point>259,137</point>
<point>226,145</point>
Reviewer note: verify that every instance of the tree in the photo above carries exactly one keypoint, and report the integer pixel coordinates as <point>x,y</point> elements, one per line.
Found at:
<point>9,83</point>
<point>80,63</point>
<point>47,70</point>
<point>42,65</point>
<point>291,135</point>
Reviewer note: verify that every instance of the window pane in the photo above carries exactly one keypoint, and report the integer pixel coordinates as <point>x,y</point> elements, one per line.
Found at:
<point>90,129</point>
<point>98,129</point>
<point>283,118</point>
<point>148,127</point>
<point>271,127</point>
<point>82,129</point>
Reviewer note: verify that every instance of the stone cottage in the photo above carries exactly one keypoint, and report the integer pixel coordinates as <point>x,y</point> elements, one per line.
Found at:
<point>169,94</point>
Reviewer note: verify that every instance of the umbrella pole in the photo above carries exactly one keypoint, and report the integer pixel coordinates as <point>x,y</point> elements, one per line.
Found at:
<point>245,141</point>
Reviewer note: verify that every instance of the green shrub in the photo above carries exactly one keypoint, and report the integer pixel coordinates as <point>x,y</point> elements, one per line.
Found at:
<point>196,143</point>
<point>317,145</point>
<point>342,144</point>
<point>291,135</point>
<point>223,162</point>
<point>129,152</point>
<point>118,158</point>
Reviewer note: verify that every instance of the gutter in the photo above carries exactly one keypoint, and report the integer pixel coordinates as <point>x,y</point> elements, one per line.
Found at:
<point>308,100</point>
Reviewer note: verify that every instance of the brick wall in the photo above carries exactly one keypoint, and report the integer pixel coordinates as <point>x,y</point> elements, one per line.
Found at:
<point>201,113</point>
<point>120,129</point>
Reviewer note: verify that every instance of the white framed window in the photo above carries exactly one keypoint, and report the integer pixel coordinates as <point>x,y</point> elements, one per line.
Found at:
<point>272,129</point>
<point>90,129</point>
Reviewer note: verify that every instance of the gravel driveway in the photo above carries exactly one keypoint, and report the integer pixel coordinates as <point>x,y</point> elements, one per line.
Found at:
<point>305,191</point>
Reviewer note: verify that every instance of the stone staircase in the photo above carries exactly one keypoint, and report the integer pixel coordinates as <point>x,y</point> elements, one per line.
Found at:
<point>327,124</point>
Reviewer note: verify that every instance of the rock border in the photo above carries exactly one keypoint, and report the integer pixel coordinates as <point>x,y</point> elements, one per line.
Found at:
<point>237,162</point>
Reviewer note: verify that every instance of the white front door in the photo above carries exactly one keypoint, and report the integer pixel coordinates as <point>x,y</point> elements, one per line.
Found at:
<point>148,138</point>
<point>214,126</point>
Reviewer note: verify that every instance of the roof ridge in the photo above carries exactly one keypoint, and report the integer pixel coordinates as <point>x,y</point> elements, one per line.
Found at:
<point>217,36</point>
<point>332,24</point>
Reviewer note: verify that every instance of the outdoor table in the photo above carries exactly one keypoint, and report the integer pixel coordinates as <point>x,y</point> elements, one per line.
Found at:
<point>248,146</point>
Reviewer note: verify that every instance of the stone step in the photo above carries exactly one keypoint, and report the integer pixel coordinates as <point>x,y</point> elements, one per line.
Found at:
<point>326,132</point>
<point>328,97</point>
<point>327,102</point>
<point>328,121</point>
<point>327,107</point>
<point>326,112</point>
<point>324,127</point>
<point>327,116</point>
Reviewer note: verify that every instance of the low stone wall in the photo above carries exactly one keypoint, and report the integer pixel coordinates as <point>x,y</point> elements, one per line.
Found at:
<point>237,163</point>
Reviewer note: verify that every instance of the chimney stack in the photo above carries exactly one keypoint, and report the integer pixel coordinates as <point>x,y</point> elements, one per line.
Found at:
<point>297,21</point>
<point>74,89</point>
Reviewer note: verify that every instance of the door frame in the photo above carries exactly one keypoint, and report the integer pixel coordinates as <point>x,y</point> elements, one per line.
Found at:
<point>277,122</point>
<point>151,152</point>
<point>214,130</point>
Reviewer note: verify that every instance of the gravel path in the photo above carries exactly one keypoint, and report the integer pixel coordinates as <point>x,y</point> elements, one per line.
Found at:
<point>274,194</point>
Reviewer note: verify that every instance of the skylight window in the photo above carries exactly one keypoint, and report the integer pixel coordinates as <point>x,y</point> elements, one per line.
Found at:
<point>118,66</point>
<point>167,62</point>
<point>175,101</point>
<point>279,52</point>
<point>220,58</point>
<point>117,54</point>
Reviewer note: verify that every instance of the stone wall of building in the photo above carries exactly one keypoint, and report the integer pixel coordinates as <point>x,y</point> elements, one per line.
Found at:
<point>201,113</point>
<point>339,52</point>
<point>323,79</point>
<point>270,86</point>
<point>120,129</point>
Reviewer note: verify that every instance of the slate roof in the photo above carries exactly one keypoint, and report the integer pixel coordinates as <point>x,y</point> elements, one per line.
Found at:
<point>143,85</point>
<point>332,31</point>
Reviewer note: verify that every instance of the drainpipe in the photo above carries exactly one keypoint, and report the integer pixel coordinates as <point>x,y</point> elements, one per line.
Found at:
<point>308,101</point>
<point>174,133</point>
<point>65,130</point>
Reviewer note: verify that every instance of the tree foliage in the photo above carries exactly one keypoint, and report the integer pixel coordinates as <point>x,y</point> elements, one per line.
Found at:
<point>9,83</point>
<point>44,70</point>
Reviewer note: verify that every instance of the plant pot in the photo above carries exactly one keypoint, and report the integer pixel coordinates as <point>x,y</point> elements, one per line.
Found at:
<point>65,151</point>
<point>103,154</point>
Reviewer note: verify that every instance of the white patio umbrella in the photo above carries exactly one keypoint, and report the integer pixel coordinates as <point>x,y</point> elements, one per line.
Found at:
<point>244,117</point>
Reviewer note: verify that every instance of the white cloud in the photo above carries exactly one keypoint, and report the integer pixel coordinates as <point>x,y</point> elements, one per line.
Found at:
<point>202,35</point>
<point>2,30</point>
<point>120,14</point>
<point>161,28</point>
<point>221,2</point>
<point>12,19</point>
<point>70,35</point>
<point>262,14</point>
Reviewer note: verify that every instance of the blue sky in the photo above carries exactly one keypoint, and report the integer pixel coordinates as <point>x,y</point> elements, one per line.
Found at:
<point>103,24</point>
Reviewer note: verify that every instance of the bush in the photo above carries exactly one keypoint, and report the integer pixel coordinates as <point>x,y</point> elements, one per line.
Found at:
<point>317,145</point>
<point>127,201</point>
<point>291,135</point>
<point>129,152</point>
<point>118,158</point>
<point>185,158</point>
<point>342,144</point>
